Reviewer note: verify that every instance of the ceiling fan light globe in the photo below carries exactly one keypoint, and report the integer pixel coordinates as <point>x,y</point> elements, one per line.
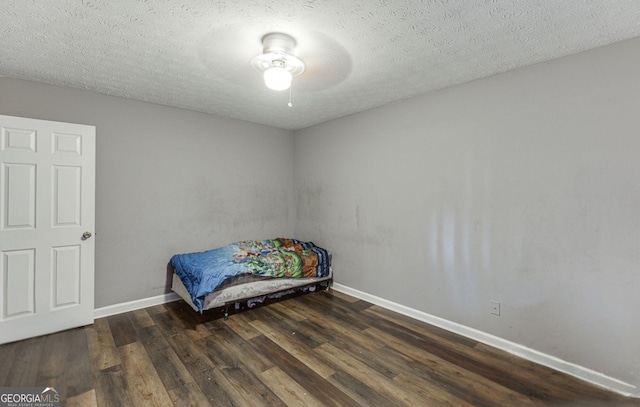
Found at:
<point>277,78</point>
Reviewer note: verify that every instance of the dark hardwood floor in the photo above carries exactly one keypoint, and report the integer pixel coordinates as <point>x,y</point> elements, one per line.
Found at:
<point>320,349</point>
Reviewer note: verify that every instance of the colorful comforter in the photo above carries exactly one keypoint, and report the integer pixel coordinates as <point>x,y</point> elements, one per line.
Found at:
<point>202,272</point>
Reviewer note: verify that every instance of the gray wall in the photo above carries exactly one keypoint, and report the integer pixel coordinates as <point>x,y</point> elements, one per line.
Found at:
<point>167,181</point>
<point>522,188</point>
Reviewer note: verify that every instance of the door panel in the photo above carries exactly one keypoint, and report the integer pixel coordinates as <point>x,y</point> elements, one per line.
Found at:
<point>19,140</point>
<point>19,283</point>
<point>47,172</point>
<point>67,144</point>
<point>66,196</point>
<point>19,196</point>
<point>66,276</point>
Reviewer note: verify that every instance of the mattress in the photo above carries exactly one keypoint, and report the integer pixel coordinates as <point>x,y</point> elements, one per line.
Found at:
<point>202,273</point>
<point>249,288</point>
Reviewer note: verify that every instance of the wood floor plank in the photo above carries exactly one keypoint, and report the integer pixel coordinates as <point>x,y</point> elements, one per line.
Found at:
<point>294,347</point>
<point>282,306</point>
<point>189,395</point>
<point>356,344</point>
<point>86,399</point>
<point>239,376</point>
<point>244,388</point>
<point>156,309</point>
<point>8,353</point>
<point>550,384</point>
<point>201,369</point>
<point>79,375</point>
<point>376,382</point>
<point>339,302</point>
<point>166,323</point>
<point>343,296</point>
<point>288,390</point>
<point>24,369</point>
<point>424,374</point>
<point>122,329</point>
<point>364,394</point>
<point>484,391</point>
<point>141,318</point>
<point>146,388</point>
<point>309,380</point>
<point>199,332</point>
<point>419,326</point>
<point>454,382</point>
<point>111,387</point>
<point>52,362</point>
<point>226,348</point>
<point>335,308</point>
<point>167,364</point>
<point>240,325</point>
<point>337,329</point>
<point>431,393</point>
<point>455,350</point>
<point>378,360</point>
<point>184,317</point>
<point>309,337</point>
<point>102,348</point>
<point>451,350</point>
<point>65,363</point>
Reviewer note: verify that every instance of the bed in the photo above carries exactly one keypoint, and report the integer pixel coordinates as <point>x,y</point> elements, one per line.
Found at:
<point>249,272</point>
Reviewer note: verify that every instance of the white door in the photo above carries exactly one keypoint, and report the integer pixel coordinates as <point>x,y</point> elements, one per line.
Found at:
<point>47,203</point>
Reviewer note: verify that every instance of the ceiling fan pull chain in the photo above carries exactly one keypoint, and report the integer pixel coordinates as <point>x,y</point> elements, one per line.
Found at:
<point>290,104</point>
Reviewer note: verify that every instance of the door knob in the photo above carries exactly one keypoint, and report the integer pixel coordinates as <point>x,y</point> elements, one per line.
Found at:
<point>86,235</point>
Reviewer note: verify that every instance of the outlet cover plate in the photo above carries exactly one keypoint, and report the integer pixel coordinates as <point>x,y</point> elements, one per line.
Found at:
<point>495,308</point>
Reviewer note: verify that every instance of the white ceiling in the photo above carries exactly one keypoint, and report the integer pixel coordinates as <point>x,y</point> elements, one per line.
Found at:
<point>360,54</point>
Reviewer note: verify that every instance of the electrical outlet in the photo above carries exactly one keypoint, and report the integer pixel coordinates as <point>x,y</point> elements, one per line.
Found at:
<point>495,308</point>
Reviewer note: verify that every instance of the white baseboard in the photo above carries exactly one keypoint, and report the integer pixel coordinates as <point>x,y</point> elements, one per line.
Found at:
<point>553,362</point>
<point>134,305</point>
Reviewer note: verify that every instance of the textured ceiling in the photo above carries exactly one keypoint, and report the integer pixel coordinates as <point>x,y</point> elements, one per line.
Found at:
<point>359,54</point>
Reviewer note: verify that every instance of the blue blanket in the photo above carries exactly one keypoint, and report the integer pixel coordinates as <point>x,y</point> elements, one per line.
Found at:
<point>203,272</point>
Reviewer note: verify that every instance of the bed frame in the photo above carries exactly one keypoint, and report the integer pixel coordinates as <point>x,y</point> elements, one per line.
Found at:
<point>252,290</point>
